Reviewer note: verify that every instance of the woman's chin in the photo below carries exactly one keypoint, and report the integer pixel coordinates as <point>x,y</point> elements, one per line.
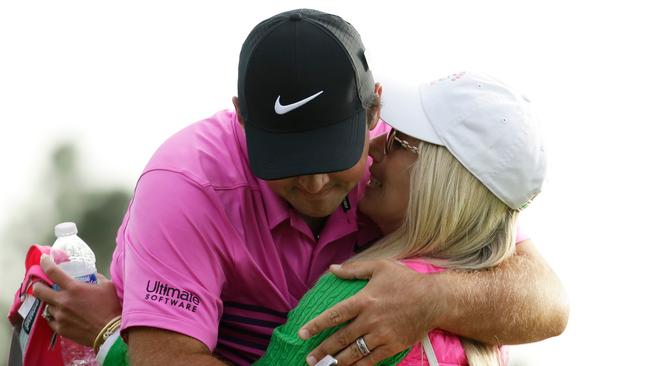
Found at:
<point>369,206</point>
<point>388,217</point>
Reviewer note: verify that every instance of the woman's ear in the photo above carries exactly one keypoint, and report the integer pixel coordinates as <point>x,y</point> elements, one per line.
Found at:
<point>235,103</point>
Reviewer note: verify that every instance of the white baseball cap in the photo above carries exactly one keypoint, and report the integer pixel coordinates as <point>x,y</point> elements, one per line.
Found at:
<point>484,123</point>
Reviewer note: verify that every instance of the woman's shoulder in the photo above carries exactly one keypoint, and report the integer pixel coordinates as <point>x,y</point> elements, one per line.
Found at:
<point>421,265</point>
<point>447,347</point>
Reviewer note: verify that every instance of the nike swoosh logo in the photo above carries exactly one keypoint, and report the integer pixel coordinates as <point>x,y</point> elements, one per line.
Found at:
<point>282,109</point>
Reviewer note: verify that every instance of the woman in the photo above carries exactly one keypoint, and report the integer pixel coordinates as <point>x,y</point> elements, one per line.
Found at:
<point>446,187</point>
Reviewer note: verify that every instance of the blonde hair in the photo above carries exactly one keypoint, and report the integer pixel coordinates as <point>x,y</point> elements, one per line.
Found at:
<point>453,221</point>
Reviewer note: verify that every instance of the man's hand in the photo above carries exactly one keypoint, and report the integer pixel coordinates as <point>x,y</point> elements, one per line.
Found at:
<point>388,313</point>
<point>519,301</point>
<point>79,310</point>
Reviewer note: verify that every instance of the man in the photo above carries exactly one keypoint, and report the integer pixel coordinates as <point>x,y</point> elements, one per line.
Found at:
<point>230,226</point>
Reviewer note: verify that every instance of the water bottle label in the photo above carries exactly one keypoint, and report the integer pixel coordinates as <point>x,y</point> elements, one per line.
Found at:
<point>91,278</point>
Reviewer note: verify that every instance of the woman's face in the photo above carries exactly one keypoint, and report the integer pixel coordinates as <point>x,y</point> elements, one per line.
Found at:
<point>387,191</point>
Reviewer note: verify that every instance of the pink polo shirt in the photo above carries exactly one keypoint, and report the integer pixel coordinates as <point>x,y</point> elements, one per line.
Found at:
<point>208,250</point>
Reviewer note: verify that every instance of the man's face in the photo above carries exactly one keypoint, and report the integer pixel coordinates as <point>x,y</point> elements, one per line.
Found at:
<point>319,195</point>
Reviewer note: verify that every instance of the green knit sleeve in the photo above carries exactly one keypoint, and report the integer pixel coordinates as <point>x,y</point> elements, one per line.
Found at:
<point>117,355</point>
<point>286,348</point>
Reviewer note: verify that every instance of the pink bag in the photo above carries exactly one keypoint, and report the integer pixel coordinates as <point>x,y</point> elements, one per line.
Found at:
<point>32,337</point>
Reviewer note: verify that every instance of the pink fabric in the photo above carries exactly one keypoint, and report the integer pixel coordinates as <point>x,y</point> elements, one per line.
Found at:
<point>38,350</point>
<point>521,235</point>
<point>447,346</point>
<point>208,250</point>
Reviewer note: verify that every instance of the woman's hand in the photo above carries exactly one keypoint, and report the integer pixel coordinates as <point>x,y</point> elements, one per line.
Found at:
<point>388,313</point>
<point>78,310</point>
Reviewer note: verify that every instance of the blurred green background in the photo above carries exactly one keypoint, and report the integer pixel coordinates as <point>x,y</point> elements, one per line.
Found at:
<point>61,195</point>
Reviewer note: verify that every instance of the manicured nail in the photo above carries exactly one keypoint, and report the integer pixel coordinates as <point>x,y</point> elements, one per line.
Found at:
<point>311,360</point>
<point>304,333</point>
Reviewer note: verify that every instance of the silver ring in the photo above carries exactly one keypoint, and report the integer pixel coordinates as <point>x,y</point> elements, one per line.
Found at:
<point>362,346</point>
<point>46,313</point>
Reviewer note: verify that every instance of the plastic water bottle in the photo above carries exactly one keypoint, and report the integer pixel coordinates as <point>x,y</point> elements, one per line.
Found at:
<point>76,259</point>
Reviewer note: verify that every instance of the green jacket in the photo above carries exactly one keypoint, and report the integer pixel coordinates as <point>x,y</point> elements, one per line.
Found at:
<point>117,355</point>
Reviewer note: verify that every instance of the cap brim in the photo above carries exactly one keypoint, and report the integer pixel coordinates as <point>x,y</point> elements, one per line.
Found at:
<point>402,109</point>
<point>337,147</point>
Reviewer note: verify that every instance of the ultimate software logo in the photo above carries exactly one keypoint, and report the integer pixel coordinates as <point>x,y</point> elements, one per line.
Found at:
<point>163,293</point>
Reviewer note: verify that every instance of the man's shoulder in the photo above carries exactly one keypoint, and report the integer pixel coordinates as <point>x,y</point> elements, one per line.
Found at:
<point>212,152</point>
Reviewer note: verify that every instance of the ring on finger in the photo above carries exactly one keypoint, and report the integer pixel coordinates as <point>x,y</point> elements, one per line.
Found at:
<point>46,313</point>
<point>362,346</point>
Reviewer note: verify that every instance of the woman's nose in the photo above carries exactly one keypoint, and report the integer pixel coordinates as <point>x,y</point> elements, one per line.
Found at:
<point>376,148</point>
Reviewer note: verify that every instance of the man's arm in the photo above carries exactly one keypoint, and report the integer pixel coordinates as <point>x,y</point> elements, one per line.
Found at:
<point>519,301</point>
<point>152,346</point>
<point>172,274</point>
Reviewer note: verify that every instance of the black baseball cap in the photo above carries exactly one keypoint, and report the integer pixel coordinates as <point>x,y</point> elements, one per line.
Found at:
<point>303,87</point>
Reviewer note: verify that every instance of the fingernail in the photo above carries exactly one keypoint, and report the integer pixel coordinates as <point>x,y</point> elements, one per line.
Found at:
<point>311,360</point>
<point>335,267</point>
<point>303,333</point>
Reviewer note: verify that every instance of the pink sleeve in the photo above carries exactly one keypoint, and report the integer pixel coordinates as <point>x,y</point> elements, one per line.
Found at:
<point>521,235</point>
<point>421,265</point>
<point>381,128</point>
<point>172,273</point>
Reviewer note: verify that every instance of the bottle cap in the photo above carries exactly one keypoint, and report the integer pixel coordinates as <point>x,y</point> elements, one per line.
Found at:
<point>65,229</point>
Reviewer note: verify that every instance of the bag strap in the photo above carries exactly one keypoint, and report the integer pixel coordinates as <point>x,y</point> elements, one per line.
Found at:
<point>428,350</point>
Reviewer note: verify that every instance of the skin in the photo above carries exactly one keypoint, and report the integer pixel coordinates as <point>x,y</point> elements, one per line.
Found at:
<point>317,196</point>
<point>152,346</point>
<point>520,301</point>
<point>387,193</point>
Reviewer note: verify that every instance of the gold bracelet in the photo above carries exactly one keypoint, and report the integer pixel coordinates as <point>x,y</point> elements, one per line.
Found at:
<point>111,327</point>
